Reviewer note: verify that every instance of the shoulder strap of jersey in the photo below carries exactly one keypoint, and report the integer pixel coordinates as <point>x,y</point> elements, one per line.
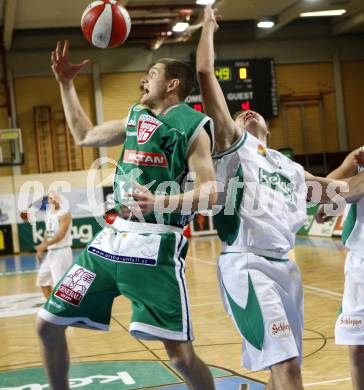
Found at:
<point>239,143</point>
<point>206,124</point>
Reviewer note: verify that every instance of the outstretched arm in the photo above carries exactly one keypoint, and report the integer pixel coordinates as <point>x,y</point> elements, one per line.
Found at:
<point>349,166</point>
<point>84,132</point>
<point>226,131</point>
<point>356,188</point>
<point>351,189</point>
<point>322,189</point>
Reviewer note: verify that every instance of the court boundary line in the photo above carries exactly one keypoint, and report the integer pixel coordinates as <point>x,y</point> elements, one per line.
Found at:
<point>313,289</point>
<point>327,382</point>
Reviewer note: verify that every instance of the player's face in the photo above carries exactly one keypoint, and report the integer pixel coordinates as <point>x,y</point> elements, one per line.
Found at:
<point>252,122</point>
<point>154,86</point>
<point>53,200</point>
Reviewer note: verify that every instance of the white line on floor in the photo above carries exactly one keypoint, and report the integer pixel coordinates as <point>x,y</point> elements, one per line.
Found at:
<point>206,304</point>
<point>327,382</point>
<point>319,291</point>
<point>212,263</point>
<point>323,291</point>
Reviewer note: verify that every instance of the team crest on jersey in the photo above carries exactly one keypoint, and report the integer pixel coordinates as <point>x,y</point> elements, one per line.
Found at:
<point>75,284</point>
<point>145,158</point>
<point>262,150</point>
<point>147,125</point>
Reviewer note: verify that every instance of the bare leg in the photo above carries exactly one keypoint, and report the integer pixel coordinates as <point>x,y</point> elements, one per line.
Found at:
<point>194,371</point>
<point>269,385</point>
<point>47,291</point>
<point>356,354</point>
<point>54,353</point>
<point>287,375</point>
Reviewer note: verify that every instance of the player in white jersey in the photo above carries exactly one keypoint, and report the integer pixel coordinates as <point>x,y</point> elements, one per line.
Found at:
<point>349,329</point>
<point>264,194</point>
<point>57,242</point>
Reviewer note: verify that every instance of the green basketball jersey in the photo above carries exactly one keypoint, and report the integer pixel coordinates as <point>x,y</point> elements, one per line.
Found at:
<point>155,155</point>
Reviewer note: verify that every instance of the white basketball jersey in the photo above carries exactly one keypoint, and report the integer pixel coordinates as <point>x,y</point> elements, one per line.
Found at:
<point>264,197</point>
<point>52,227</point>
<point>353,229</point>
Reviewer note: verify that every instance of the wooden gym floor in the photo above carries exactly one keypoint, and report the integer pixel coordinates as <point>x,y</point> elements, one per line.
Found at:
<point>325,365</point>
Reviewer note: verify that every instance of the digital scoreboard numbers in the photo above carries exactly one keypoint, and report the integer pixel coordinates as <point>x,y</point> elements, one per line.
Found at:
<point>246,84</point>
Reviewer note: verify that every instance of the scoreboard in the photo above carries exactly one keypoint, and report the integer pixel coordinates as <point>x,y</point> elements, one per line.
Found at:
<point>246,84</point>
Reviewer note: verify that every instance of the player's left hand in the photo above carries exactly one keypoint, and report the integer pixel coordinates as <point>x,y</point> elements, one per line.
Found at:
<point>321,216</point>
<point>40,249</point>
<point>211,15</point>
<point>145,201</point>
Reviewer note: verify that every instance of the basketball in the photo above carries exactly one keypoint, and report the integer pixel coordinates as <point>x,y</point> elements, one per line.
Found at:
<point>105,23</point>
<point>24,216</point>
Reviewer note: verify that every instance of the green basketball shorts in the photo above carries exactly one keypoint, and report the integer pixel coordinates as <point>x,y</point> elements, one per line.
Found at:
<point>143,262</point>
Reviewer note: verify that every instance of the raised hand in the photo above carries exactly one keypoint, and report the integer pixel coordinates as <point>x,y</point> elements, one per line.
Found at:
<point>63,69</point>
<point>359,157</point>
<point>211,15</point>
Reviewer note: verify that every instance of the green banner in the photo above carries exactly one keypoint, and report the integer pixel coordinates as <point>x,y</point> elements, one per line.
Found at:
<point>83,229</point>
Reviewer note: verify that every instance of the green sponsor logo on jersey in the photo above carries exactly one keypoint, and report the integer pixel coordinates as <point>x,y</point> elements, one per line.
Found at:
<point>277,182</point>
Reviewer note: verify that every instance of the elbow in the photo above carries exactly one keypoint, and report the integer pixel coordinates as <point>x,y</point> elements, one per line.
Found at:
<point>83,138</point>
<point>355,193</point>
<point>212,199</point>
<point>204,70</point>
<point>80,142</point>
<point>204,67</point>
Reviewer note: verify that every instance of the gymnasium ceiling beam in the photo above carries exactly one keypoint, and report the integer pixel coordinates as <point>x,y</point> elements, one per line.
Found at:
<point>291,13</point>
<point>349,24</point>
<point>9,22</point>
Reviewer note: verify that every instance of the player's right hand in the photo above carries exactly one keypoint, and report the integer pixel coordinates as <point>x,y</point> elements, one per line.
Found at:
<point>63,69</point>
<point>359,157</point>
<point>321,216</point>
<point>211,16</point>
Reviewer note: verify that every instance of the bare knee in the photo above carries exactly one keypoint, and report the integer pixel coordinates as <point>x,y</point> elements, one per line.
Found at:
<point>290,368</point>
<point>48,331</point>
<point>182,361</point>
<point>356,353</point>
<point>181,355</point>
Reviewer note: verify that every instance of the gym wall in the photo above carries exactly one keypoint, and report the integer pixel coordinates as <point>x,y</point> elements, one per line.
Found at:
<point>305,79</point>
<point>353,89</point>
<point>119,91</point>
<point>43,91</point>
<point>307,68</point>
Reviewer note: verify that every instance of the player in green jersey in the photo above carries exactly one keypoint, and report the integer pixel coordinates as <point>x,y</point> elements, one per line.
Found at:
<point>142,254</point>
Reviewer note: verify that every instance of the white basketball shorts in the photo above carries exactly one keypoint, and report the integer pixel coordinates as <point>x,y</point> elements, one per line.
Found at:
<point>349,329</point>
<point>264,298</point>
<point>53,266</point>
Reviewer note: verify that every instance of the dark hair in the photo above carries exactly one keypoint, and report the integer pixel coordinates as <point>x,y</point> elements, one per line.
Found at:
<point>175,69</point>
